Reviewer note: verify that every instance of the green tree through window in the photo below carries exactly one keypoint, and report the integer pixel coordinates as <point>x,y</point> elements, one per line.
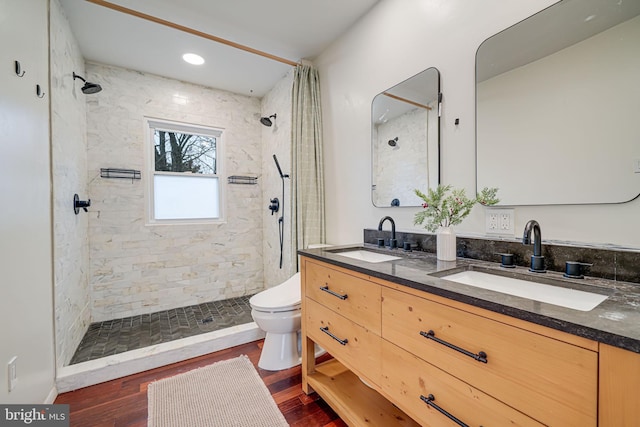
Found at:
<point>183,152</point>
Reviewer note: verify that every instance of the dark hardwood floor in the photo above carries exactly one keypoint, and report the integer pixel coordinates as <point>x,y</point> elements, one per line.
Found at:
<point>123,402</point>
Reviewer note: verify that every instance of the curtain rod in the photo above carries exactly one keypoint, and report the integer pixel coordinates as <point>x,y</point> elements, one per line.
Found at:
<point>426,107</point>
<point>179,27</point>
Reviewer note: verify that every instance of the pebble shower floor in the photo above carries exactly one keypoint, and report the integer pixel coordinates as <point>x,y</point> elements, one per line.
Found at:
<point>117,336</point>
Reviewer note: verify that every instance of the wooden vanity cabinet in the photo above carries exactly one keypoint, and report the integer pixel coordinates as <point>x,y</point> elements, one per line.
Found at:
<point>619,390</point>
<point>355,346</point>
<point>341,313</point>
<point>429,360</point>
<point>353,297</point>
<point>431,395</point>
<point>549,380</point>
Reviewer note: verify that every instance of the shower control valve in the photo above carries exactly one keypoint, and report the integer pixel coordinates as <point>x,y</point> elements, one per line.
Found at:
<point>80,204</point>
<point>274,206</point>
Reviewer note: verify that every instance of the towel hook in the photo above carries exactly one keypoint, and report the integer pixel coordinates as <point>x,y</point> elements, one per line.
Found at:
<point>19,71</point>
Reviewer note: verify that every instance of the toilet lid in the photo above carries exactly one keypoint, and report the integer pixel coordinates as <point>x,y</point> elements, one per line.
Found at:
<point>285,296</point>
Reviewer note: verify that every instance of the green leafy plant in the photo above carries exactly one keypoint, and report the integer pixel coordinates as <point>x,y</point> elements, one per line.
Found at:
<point>445,207</point>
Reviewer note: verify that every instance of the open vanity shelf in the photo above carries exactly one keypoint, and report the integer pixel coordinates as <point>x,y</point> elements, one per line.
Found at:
<point>355,402</point>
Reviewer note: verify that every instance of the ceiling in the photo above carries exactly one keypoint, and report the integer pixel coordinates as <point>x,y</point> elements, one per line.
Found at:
<point>289,29</point>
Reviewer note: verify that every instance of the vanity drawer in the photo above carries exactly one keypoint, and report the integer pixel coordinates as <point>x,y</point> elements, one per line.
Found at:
<point>547,379</point>
<point>354,298</point>
<point>354,346</point>
<point>408,380</point>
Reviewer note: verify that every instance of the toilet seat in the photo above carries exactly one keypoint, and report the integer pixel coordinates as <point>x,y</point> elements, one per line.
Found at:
<point>281,298</point>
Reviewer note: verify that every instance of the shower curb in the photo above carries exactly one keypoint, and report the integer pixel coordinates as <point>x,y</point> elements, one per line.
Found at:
<point>108,368</point>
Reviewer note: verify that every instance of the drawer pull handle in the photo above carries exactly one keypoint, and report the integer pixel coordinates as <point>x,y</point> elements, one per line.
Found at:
<point>335,294</point>
<point>480,357</point>
<point>429,401</point>
<point>326,331</point>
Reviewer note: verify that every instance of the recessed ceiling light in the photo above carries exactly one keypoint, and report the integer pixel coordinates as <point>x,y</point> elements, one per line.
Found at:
<point>192,58</point>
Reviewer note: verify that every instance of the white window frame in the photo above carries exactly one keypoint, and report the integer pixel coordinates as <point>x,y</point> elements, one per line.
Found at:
<point>153,124</point>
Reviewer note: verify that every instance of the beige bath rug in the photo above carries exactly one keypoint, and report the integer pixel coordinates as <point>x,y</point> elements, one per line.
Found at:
<point>225,394</point>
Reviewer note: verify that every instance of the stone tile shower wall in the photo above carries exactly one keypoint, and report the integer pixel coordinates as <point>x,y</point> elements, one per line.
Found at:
<point>137,268</point>
<point>277,140</point>
<point>69,169</point>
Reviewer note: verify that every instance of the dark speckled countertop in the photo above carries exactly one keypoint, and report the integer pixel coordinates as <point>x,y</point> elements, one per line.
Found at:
<point>616,321</point>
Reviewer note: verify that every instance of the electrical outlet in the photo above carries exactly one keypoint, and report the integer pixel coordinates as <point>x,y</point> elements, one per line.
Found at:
<point>505,221</point>
<point>636,165</point>
<point>12,373</point>
<point>492,222</point>
<point>500,221</point>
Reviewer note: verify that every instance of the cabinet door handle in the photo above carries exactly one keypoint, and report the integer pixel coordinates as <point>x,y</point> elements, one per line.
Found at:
<point>326,331</point>
<point>480,357</point>
<point>335,294</point>
<point>429,401</point>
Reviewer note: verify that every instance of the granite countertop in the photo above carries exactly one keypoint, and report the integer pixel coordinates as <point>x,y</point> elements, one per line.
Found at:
<point>616,321</point>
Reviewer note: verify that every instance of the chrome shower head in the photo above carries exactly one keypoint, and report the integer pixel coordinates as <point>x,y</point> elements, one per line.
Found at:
<point>88,87</point>
<point>267,120</point>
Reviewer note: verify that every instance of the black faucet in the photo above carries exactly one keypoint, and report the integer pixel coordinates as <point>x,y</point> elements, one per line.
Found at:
<point>537,260</point>
<point>393,243</point>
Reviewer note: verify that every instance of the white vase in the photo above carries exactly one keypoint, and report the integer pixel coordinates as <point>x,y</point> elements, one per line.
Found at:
<point>446,244</point>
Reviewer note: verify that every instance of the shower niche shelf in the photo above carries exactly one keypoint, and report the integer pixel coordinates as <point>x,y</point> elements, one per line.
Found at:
<point>120,173</point>
<point>240,179</point>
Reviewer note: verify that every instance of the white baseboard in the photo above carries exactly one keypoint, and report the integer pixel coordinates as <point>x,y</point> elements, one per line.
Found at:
<point>120,365</point>
<point>52,396</point>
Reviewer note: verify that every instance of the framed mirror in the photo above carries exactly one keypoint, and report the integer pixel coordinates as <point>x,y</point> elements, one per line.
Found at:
<point>405,140</point>
<point>557,106</point>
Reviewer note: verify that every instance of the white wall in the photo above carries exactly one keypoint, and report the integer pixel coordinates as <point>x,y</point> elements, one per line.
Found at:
<point>69,163</point>
<point>137,268</point>
<point>398,39</point>
<point>277,140</point>
<point>26,273</point>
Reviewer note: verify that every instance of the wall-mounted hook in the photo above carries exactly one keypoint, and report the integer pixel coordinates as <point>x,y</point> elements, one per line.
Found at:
<point>77,204</point>
<point>39,92</point>
<point>19,71</point>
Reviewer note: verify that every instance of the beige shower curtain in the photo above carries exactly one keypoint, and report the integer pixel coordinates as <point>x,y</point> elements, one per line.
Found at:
<point>307,187</point>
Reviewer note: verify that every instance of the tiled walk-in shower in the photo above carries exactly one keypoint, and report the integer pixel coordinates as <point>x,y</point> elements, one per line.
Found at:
<point>117,336</point>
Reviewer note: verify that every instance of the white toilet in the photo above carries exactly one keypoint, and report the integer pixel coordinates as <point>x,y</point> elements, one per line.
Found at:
<point>277,312</point>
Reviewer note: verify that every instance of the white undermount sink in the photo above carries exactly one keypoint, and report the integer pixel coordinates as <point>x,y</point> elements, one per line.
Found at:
<point>550,294</point>
<point>367,256</point>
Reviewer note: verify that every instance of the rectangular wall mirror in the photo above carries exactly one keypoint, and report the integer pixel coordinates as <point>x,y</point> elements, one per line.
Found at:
<point>557,105</point>
<point>405,139</point>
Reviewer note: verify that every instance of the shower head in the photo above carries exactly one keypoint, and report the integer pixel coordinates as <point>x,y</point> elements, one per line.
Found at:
<point>393,142</point>
<point>267,120</point>
<point>88,87</point>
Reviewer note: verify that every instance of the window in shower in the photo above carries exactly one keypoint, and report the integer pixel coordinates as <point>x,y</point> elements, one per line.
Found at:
<point>185,163</point>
